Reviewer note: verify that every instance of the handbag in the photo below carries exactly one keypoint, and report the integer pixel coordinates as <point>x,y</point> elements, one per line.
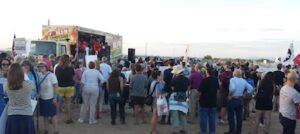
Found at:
<point>162,106</point>
<point>149,99</point>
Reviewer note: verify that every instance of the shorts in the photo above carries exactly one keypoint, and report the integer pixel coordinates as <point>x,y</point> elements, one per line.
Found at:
<point>47,108</point>
<point>138,100</point>
<point>223,100</point>
<point>178,118</point>
<point>66,91</point>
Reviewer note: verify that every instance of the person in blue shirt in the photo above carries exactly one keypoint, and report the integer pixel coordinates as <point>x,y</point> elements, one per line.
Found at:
<point>237,87</point>
<point>31,73</point>
<point>156,87</point>
<point>4,65</point>
<point>247,97</point>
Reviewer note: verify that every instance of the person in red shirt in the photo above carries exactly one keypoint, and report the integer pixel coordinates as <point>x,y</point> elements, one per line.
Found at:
<point>48,62</point>
<point>82,46</point>
<point>96,46</point>
<point>224,78</point>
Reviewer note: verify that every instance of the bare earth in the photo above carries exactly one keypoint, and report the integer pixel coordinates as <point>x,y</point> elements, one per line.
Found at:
<point>104,127</point>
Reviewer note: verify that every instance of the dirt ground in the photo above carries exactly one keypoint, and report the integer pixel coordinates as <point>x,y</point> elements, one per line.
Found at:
<point>104,127</point>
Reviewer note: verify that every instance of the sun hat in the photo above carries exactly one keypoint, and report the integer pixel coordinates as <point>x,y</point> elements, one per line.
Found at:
<point>177,69</point>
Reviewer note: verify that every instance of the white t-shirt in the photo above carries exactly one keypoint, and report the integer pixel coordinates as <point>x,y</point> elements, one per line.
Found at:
<point>47,89</point>
<point>26,76</point>
<point>90,77</point>
<point>105,70</point>
<point>54,68</point>
<point>289,97</point>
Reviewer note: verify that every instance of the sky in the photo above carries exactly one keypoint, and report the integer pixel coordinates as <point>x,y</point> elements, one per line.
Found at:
<point>221,28</point>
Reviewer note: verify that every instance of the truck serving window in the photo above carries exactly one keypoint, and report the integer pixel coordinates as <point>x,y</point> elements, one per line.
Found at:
<point>43,48</point>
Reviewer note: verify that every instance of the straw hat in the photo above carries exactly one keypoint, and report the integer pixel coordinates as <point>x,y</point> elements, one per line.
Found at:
<point>177,69</point>
<point>42,64</point>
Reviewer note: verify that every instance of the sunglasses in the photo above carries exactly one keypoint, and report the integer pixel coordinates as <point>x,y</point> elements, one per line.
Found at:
<point>5,64</point>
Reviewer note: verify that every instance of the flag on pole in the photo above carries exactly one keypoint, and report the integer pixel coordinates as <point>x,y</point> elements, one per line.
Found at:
<point>13,49</point>
<point>185,58</point>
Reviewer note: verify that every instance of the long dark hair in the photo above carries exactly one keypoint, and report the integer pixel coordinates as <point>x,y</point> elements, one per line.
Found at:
<point>64,61</point>
<point>267,82</point>
<point>15,76</point>
<point>31,67</point>
<point>113,79</point>
<point>115,73</point>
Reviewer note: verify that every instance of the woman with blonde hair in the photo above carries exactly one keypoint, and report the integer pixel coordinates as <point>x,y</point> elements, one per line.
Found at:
<point>20,119</point>
<point>65,74</point>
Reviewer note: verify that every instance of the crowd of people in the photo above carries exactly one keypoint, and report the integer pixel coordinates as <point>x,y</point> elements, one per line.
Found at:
<point>195,92</point>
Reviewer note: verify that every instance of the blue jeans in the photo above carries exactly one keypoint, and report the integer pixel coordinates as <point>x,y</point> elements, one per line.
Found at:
<point>235,108</point>
<point>114,100</point>
<point>207,115</point>
<point>288,125</point>
<point>77,93</point>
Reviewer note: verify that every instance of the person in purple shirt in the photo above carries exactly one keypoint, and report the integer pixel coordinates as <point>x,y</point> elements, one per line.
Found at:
<point>195,80</point>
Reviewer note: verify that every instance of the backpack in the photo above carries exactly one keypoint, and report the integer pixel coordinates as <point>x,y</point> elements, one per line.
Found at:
<point>149,99</point>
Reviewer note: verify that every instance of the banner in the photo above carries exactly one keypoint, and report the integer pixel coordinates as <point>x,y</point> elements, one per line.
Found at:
<point>20,46</point>
<point>89,58</point>
<point>60,33</point>
<point>115,43</point>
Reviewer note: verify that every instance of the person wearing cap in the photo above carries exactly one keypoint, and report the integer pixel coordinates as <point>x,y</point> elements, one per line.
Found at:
<point>237,87</point>
<point>47,97</point>
<point>178,100</point>
<point>289,101</point>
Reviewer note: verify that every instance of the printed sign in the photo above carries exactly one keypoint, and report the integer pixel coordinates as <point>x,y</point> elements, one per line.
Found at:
<point>60,33</point>
<point>20,46</point>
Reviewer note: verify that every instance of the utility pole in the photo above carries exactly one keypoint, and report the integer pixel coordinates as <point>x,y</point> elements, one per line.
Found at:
<point>48,22</point>
<point>146,48</point>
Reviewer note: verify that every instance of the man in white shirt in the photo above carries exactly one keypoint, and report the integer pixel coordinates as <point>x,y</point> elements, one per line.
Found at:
<point>288,102</point>
<point>106,70</point>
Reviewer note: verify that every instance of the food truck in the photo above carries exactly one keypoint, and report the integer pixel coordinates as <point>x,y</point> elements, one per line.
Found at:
<point>76,37</point>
